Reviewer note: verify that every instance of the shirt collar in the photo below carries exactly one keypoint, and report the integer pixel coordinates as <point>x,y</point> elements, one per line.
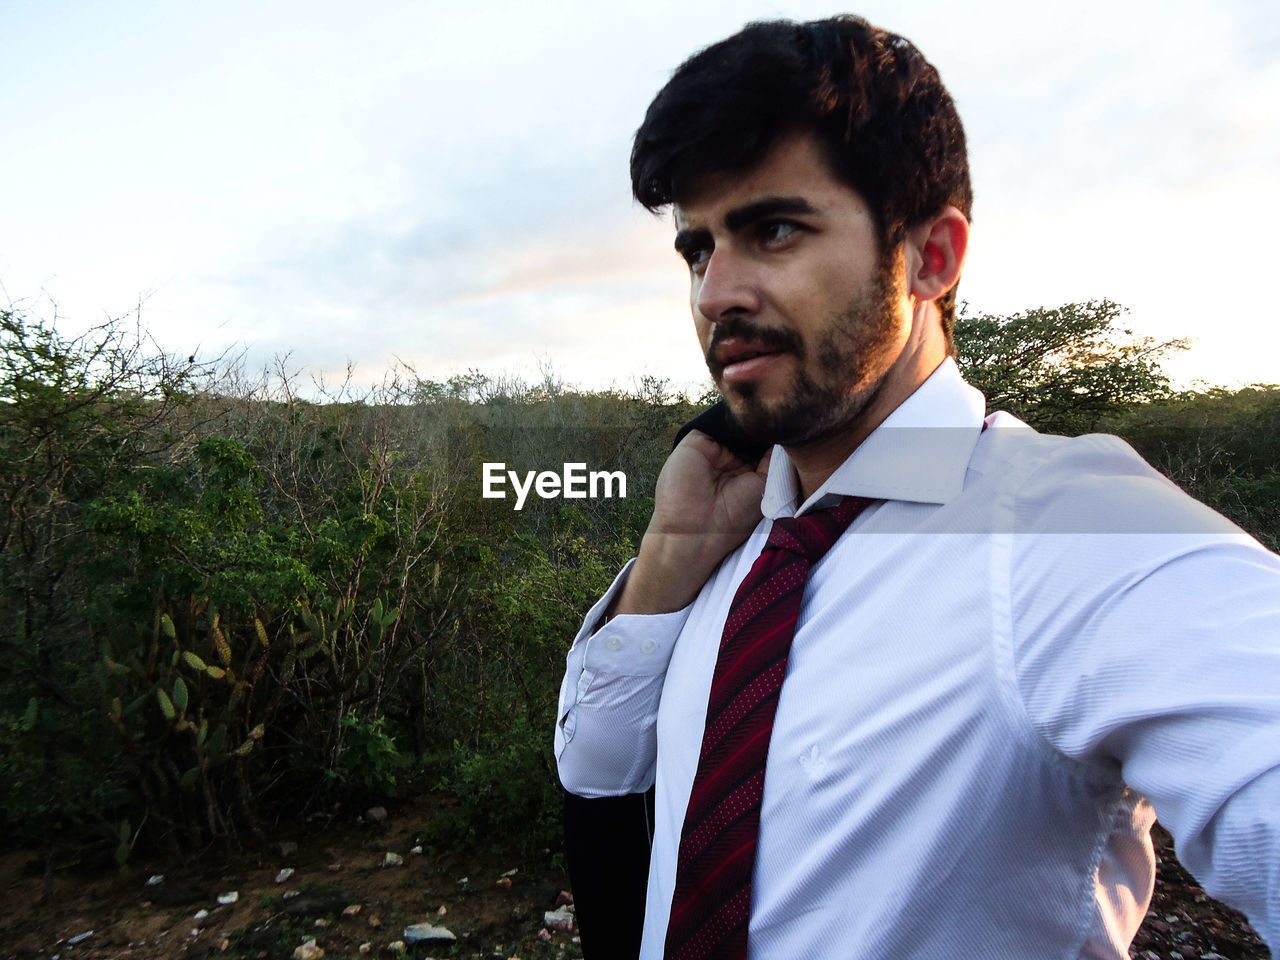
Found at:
<point>919,454</point>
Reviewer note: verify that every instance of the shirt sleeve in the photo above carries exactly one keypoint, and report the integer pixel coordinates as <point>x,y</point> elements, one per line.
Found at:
<point>1147,642</point>
<point>605,739</point>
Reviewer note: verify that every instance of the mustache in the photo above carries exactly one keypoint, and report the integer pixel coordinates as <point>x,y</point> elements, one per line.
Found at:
<point>740,328</point>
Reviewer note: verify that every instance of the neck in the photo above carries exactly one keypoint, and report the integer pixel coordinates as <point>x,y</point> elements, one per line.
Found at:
<point>815,462</point>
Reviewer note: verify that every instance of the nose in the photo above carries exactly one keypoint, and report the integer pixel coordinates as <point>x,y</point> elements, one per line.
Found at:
<point>725,288</point>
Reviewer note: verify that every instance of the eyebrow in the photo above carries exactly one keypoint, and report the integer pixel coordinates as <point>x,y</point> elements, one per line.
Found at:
<point>743,216</point>
<point>763,209</point>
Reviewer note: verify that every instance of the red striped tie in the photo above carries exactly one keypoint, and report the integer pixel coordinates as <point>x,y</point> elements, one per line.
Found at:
<point>712,900</point>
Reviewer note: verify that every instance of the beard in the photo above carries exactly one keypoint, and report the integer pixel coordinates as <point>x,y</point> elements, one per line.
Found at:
<point>822,402</point>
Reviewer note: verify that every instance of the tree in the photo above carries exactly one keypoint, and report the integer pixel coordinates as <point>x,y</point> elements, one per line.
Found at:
<point>76,414</point>
<point>1061,369</point>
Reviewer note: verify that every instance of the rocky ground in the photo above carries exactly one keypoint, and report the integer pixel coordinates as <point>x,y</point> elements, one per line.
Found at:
<point>349,899</point>
<point>354,890</point>
<point>1184,922</point>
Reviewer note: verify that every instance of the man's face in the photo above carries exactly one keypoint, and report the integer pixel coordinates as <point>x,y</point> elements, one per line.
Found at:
<point>798,314</point>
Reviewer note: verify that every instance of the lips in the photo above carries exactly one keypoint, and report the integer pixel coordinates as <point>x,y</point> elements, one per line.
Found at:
<point>741,350</point>
<point>739,361</point>
<point>738,352</point>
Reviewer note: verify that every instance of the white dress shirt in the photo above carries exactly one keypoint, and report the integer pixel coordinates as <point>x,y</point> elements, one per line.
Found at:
<point>1000,674</point>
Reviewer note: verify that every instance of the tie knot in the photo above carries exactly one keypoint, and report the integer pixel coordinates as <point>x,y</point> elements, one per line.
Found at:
<point>811,535</point>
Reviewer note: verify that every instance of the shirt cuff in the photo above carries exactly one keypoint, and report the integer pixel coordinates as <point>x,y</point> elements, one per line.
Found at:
<point>630,644</point>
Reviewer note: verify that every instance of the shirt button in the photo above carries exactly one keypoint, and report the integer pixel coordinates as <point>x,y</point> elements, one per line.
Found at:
<point>613,643</point>
<point>649,645</point>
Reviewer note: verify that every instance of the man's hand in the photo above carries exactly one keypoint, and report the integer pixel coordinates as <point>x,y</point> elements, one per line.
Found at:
<point>706,505</point>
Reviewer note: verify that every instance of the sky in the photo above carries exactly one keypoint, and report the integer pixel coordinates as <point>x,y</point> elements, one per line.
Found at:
<point>446,187</point>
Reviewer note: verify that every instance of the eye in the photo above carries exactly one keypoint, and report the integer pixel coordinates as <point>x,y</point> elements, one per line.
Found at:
<point>777,233</point>
<point>696,256</point>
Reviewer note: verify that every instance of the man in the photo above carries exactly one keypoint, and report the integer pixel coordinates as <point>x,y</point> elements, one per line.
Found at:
<point>1021,648</point>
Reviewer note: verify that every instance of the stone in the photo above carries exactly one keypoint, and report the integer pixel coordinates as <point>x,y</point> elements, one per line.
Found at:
<point>563,898</point>
<point>79,938</point>
<point>200,915</point>
<point>228,898</point>
<point>392,860</point>
<point>317,902</point>
<point>417,851</point>
<point>351,909</point>
<point>559,919</point>
<point>396,946</point>
<point>155,880</point>
<point>284,874</point>
<point>179,894</point>
<point>365,947</point>
<point>427,933</point>
<point>504,882</point>
<point>308,951</point>
<point>376,814</point>
<point>334,867</point>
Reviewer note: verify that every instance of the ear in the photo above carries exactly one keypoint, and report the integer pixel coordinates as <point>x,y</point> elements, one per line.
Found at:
<point>935,253</point>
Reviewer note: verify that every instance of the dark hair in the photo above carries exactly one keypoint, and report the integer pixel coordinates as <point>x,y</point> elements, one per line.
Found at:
<point>889,128</point>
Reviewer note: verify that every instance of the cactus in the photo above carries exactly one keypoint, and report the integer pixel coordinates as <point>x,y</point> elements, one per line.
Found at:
<point>226,691</point>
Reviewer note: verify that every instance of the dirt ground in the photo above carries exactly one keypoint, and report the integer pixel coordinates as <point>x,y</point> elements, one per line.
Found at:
<point>340,868</point>
<point>492,915</point>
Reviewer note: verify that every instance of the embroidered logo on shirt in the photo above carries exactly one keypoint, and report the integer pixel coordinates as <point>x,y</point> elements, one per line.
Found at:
<point>813,762</point>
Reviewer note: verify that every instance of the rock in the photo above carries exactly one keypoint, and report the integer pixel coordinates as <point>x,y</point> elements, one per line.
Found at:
<point>319,901</point>
<point>427,933</point>
<point>284,874</point>
<point>538,894</point>
<point>290,894</point>
<point>155,880</point>
<point>228,898</point>
<point>179,894</point>
<point>334,867</point>
<point>322,922</point>
<point>417,851</point>
<point>365,947</point>
<point>308,951</point>
<point>200,915</point>
<point>512,872</point>
<point>286,848</point>
<point>376,814</point>
<point>463,882</point>
<point>351,909</point>
<point>442,911</point>
<point>396,946</point>
<point>544,934</point>
<point>504,882</point>
<point>79,938</point>
<point>392,860</point>
<point>559,919</point>
<point>563,898</point>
